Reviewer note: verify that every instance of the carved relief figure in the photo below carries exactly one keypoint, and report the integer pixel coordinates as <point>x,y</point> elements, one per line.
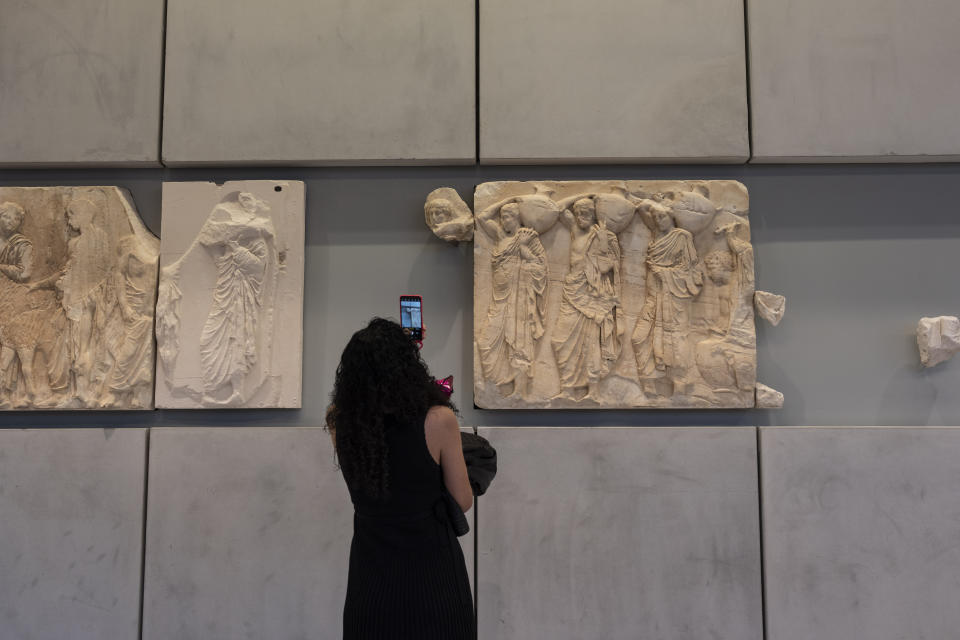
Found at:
<point>16,252</point>
<point>239,238</point>
<point>85,291</point>
<point>131,343</point>
<point>59,340</point>
<point>514,323</point>
<point>221,284</point>
<point>674,278</point>
<point>20,325</point>
<point>586,341</point>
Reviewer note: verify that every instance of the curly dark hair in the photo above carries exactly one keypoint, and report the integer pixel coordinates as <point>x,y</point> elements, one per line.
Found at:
<point>382,382</point>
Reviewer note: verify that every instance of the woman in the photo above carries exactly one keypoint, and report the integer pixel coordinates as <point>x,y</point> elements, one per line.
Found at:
<point>398,446</point>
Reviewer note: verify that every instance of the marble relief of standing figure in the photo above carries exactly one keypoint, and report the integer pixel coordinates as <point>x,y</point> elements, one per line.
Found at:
<point>239,236</point>
<point>586,340</point>
<point>674,278</point>
<point>514,323</point>
<point>131,331</point>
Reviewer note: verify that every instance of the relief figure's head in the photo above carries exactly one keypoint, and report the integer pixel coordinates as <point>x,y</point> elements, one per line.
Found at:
<point>448,216</point>
<point>439,211</point>
<point>80,214</point>
<point>510,218</point>
<point>11,218</point>
<point>662,219</point>
<point>249,202</point>
<point>585,212</point>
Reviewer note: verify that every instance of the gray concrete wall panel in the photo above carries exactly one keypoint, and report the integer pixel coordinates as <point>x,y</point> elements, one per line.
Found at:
<point>612,81</point>
<point>80,82</point>
<point>248,535</point>
<point>861,531</point>
<point>330,82</point>
<point>620,533</point>
<point>71,527</point>
<point>846,80</point>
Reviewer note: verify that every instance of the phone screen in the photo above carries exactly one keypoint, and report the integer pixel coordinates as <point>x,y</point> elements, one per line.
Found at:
<point>410,315</point>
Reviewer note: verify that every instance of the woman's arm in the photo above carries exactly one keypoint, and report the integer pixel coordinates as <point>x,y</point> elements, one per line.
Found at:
<point>442,432</point>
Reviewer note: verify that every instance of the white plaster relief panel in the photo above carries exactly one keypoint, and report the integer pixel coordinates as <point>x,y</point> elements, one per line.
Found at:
<point>846,80</point>
<point>80,82</point>
<point>612,81</point>
<point>71,525</point>
<point>230,302</point>
<point>620,534</point>
<point>78,281</point>
<point>613,294</point>
<point>319,82</point>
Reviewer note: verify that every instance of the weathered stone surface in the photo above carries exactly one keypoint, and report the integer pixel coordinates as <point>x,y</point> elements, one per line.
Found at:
<point>249,535</point>
<point>861,534</point>
<point>78,281</point>
<point>320,82</point>
<point>80,82</point>
<point>845,80</point>
<point>768,397</point>
<point>71,522</point>
<point>448,216</point>
<point>642,296</point>
<point>620,534</point>
<point>230,308</point>
<point>938,339</point>
<point>612,81</point>
<point>770,306</point>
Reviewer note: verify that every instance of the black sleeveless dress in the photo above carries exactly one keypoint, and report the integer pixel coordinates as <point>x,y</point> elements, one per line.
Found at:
<point>408,578</point>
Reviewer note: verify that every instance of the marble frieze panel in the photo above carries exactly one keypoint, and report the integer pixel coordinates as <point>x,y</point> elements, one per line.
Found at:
<point>78,281</point>
<point>613,294</point>
<point>230,304</point>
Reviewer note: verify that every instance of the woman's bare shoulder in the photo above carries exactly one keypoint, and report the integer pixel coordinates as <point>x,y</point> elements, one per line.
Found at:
<point>440,417</point>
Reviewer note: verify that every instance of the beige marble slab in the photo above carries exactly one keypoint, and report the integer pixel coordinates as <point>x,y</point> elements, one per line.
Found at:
<point>613,294</point>
<point>78,279</point>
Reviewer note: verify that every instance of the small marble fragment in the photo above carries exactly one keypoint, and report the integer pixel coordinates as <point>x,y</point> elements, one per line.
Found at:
<point>770,306</point>
<point>768,398</point>
<point>448,216</point>
<point>938,339</point>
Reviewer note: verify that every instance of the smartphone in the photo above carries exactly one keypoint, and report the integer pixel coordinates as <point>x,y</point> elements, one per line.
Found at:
<point>411,315</point>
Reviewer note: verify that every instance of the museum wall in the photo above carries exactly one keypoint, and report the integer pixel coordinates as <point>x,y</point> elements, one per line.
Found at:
<point>860,251</point>
<point>835,516</point>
